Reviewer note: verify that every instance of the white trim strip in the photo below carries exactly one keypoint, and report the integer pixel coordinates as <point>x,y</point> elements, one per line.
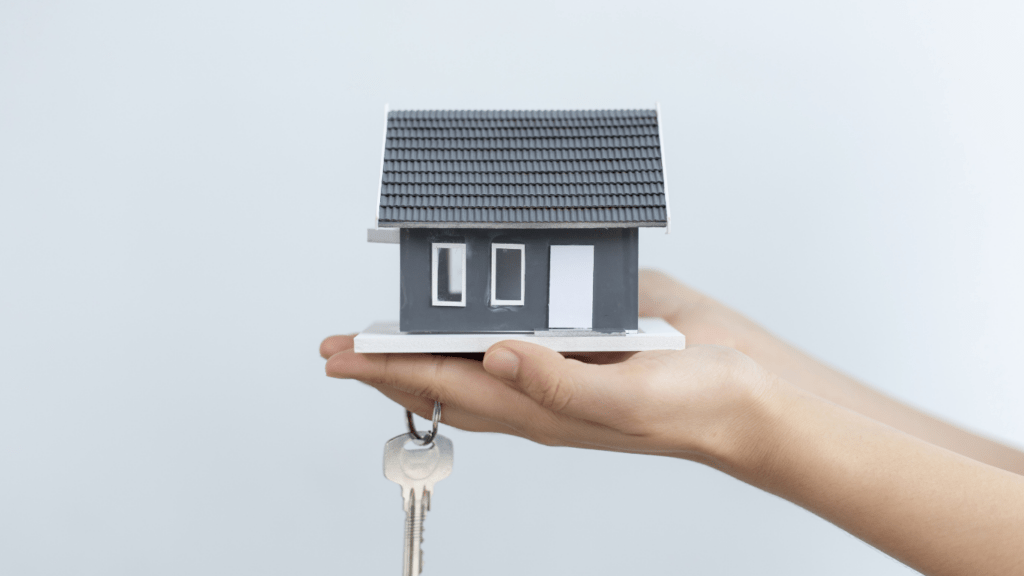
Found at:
<point>664,177</point>
<point>653,334</point>
<point>380,181</point>
<point>494,274</point>
<point>433,273</point>
<point>384,235</point>
<point>523,225</point>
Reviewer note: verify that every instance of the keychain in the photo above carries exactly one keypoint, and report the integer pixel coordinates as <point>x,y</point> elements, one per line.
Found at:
<point>416,470</point>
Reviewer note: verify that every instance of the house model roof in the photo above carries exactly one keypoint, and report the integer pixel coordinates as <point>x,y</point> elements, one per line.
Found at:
<point>522,169</point>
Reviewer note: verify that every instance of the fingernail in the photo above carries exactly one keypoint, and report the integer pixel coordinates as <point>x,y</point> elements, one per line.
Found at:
<point>503,363</point>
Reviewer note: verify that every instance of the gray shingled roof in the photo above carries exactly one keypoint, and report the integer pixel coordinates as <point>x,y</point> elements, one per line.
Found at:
<point>522,168</point>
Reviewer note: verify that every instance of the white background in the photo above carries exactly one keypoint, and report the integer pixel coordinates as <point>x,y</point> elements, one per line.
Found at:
<point>185,191</point>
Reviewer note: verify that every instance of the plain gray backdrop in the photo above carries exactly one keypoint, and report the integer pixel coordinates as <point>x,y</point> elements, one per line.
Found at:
<point>185,191</point>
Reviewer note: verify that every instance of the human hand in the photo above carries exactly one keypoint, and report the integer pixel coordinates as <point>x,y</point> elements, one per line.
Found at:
<point>713,404</point>
<point>706,321</point>
<point>701,318</point>
<point>690,403</point>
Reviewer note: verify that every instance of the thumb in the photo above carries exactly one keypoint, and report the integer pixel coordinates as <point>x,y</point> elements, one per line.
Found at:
<point>660,295</point>
<point>556,383</point>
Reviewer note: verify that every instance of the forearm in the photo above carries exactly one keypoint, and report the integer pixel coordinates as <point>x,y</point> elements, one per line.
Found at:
<point>934,510</point>
<point>810,374</point>
<point>706,321</point>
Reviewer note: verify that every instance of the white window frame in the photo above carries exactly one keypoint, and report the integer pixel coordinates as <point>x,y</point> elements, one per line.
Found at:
<point>494,275</point>
<point>434,247</point>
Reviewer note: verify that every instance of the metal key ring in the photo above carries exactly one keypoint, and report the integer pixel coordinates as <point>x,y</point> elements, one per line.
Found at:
<point>424,440</point>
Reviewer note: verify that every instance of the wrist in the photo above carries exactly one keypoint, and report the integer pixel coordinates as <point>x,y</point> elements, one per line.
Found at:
<point>746,443</point>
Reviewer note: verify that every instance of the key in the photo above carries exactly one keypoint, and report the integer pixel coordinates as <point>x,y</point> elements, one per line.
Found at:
<point>416,470</point>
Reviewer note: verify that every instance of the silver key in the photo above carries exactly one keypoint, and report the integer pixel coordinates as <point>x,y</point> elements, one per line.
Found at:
<point>416,470</point>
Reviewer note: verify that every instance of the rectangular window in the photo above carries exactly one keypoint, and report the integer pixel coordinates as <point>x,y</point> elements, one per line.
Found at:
<point>508,274</point>
<point>448,274</point>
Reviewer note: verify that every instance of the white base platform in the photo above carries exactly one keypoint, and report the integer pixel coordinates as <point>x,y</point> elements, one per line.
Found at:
<point>653,334</point>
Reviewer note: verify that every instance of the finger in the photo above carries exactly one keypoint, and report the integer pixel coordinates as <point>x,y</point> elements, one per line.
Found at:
<point>703,319</point>
<point>334,344</point>
<point>467,387</point>
<point>579,434</point>
<point>451,415</point>
<point>563,385</point>
<point>452,381</point>
<point>661,296</point>
<point>600,357</point>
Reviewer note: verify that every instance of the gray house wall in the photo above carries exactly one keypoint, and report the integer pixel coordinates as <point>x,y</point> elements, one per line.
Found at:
<point>615,279</point>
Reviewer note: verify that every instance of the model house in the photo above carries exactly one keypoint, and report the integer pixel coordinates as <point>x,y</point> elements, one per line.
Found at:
<point>519,220</point>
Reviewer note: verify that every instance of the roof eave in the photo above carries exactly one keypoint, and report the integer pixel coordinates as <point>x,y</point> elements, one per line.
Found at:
<point>664,179</point>
<point>380,178</point>
<point>520,225</point>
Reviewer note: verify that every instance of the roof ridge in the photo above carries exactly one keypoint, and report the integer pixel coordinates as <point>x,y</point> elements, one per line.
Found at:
<point>524,113</point>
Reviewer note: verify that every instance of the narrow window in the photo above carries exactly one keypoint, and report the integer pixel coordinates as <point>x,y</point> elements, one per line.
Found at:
<point>448,275</point>
<point>508,274</point>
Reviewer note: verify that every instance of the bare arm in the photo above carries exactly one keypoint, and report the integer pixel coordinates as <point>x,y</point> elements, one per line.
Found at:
<point>934,510</point>
<point>937,511</point>
<point>913,486</point>
<point>705,321</point>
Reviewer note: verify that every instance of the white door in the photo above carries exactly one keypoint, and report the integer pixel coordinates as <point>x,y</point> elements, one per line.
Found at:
<point>571,287</point>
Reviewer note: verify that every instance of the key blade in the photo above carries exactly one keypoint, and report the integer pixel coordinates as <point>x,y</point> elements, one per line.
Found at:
<point>413,560</point>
